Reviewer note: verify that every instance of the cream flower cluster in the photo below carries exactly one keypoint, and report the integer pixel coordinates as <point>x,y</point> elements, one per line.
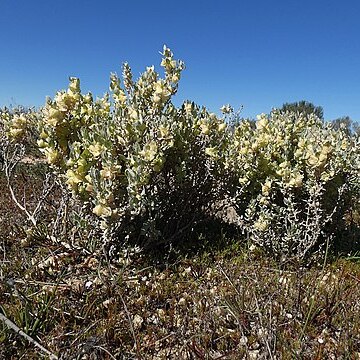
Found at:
<point>17,124</point>
<point>287,149</point>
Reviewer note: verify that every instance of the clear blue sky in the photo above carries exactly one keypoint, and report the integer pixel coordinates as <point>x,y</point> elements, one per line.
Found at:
<point>258,54</point>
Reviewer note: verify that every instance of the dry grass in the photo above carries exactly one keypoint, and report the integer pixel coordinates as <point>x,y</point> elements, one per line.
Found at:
<point>223,301</point>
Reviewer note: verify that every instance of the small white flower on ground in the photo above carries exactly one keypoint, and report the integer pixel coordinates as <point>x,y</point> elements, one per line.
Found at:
<point>137,322</point>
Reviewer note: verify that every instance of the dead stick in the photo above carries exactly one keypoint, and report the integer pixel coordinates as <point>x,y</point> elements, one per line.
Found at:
<point>14,327</point>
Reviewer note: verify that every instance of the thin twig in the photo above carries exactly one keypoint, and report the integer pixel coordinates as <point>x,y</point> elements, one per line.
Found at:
<point>103,349</point>
<point>131,327</point>
<point>30,217</point>
<point>14,327</point>
<point>9,166</point>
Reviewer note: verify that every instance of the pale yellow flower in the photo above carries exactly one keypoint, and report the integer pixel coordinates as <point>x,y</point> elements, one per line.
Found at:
<point>96,149</point>
<point>326,176</point>
<point>134,115</point>
<point>54,116</point>
<point>73,179</point>
<point>301,143</point>
<point>52,155</point>
<point>107,173</point>
<point>70,162</point>
<point>226,109</point>
<point>161,93</point>
<point>19,120</point>
<point>74,85</point>
<point>262,123</point>
<point>188,108</point>
<point>266,187</point>
<point>326,149</point>
<point>120,97</point>
<point>164,131</point>
<point>322,159</point>
<point>243,180</point>
<point>221,127</point>
<point>102,210</point>
<point>296,180</point>
<point>298,153</point>
<point>41,143</point>
<point>211,151</point>
<point>312,160</point>
<point>88,98</point>
<point>44,135</point>
<point>344,145</point>
<point>66,101</point>
<point>261,224</point>
<point>264,200</point>
<point>244,150</point>
<point>150,150</point>
<point>14,132</point>
<point>175,78</point>
<point>205,129</point>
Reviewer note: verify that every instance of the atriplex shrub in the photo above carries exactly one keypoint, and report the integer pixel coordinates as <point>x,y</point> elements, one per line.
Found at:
<point>298,179</point>
<point>146,168</point>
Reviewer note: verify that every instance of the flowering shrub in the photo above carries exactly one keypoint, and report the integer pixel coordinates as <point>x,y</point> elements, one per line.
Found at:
<point>297,176</point>
<point>142,166</point>
<point>145,169</point>
<point>18,134</point>
<point>19,125</point>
